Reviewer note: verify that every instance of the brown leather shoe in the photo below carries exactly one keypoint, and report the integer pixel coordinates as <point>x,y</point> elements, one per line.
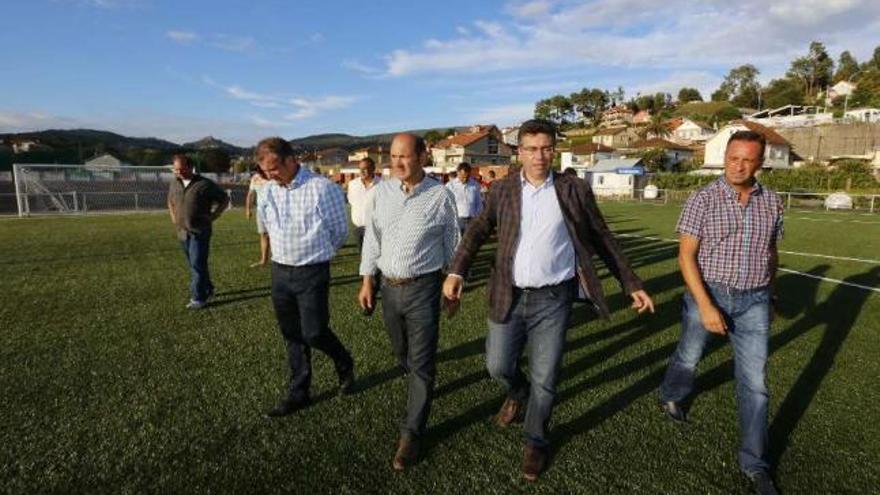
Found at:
<point>407,452</point>
<point>534,459</point>
<point>509,413</point>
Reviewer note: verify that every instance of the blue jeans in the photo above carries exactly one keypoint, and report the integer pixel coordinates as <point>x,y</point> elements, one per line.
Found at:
<point>196,247</point>
<point>540,318</point>
<point>748,324</point>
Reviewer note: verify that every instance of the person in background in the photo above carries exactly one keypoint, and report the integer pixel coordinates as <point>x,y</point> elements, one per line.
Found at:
<point>195,203</point>
<point>255,195</point>
<point>358,197</point>
<point>466,192</point>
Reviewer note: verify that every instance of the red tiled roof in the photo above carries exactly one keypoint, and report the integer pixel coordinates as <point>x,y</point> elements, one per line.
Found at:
<point>464,139</point>
<point>672,124</point>
<point>587,148</point>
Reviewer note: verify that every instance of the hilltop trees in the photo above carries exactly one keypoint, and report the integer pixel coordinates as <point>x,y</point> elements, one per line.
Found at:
<point>687,95</point>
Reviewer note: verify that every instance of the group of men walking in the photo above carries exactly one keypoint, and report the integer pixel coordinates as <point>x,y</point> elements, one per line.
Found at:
<point>419,238</point>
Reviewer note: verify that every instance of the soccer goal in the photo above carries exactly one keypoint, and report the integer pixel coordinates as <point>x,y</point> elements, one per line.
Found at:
<point>70,189</point>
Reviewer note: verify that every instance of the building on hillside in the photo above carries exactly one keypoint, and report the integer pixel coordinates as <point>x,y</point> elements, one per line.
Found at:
<point>616,137</point>
<point>104,160</point>
<point>691,131</point>
<point>330,157</point>
<point>791,116</point>
<point>379,154</point>
<point>840,90</point>
<point>617,177</point>
<point>674,153</point>
<point>777,154</point>
<point>617,116</point>
<point>641,117</point>
<point>485,146</point>
<point>29,145</point>
<point>510,135</point>
<point>863,115</point>
<point>586,155</point>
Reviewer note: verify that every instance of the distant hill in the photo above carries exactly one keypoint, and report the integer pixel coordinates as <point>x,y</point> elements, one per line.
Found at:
<point>324,141</point>
<point>210,142</point>
<point>89,138</point>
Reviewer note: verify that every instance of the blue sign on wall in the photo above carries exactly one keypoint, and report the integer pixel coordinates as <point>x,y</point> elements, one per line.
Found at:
<point>631,171</point>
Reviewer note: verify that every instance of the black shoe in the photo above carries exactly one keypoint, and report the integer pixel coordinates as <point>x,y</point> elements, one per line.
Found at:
<point>287,407</point>
<point>346,382</point>
<point>762,483</point>
<point>674,411</point>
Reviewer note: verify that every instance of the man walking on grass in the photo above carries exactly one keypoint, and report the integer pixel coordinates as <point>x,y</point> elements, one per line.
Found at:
<point>304,214</point>
<point>411,235</point>
<point>728,257</point>
<point>549,228</point>
<point>194,203</point>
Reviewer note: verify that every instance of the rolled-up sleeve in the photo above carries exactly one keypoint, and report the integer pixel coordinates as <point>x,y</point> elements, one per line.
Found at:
<point>690,222</point>
<point>332,210</point>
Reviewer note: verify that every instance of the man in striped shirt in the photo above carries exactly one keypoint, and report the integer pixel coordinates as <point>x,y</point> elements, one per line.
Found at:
<point>728,257</point>
<point>411,235</point>
<point>304,214</point>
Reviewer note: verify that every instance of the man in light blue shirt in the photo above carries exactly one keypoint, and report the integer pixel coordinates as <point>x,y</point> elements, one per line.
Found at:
<point>466,192</point>
<point>411,235</point>
<point>304,214</point>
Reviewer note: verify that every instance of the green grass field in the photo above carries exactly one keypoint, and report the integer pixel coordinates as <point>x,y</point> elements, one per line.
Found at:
<point>110,385</point>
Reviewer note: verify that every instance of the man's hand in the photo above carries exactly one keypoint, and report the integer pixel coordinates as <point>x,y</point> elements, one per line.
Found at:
<point>642,301</point>
<point>452,287</point>
<point>713,320</point>
<point>365,296</point>
<point>247,213</point>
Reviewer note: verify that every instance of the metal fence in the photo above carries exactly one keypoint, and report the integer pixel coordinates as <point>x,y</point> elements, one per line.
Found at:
<point>869,203</point>
<point>74,202</point>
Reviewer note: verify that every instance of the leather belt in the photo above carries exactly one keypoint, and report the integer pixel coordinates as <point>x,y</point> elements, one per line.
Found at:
<point>400,282</point>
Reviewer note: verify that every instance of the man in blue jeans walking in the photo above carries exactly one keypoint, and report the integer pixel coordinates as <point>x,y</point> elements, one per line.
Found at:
<point>194,203</point>
<point>728,257</point>
<point>549,227</point>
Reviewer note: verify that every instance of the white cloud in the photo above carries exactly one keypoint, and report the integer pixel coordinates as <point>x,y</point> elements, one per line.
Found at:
<point>359,67</point>
<point>310,107</point>
<point>182,37</point>
<point>293,108</point>
<point>677,34</point>
<point>232,43</point>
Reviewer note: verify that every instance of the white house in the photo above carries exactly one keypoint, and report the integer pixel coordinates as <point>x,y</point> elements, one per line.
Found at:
<point>617,177</point>
<point>510,136</point>
<point>863,115</point>
<point>839,90</point>
<point>791,116</point>
<point>483,147</point>
<point>616,116</point>
<point>616,137</point>
<point>777,154</point>
<point>690,131</point>
<point>586,155</point>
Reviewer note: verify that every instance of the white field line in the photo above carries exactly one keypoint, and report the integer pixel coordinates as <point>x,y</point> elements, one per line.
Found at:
<point>787,270</point>
<point>832,221</point>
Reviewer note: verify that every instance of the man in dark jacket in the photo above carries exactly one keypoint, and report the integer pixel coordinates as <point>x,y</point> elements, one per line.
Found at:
<point>549,228</point>
<point>194,202</point>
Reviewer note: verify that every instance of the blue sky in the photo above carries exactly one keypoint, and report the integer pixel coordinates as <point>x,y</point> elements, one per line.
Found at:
<point>244,70</point>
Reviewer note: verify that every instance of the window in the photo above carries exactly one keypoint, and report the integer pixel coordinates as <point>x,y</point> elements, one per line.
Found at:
<point>601,179</point>
<point>493,145</point>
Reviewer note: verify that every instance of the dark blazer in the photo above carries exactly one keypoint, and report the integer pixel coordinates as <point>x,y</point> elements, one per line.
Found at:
<point>586,226</point>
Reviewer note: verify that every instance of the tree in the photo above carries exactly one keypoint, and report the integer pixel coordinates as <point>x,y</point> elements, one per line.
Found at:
<point>740,86</point>
<point>543,109</point>
<point>720,95</point>
<point>662,101</point>
<point>433,136</point>
<point>813,70</point>
<point>654,159</point>
<point>645,102</point>
<point>687,95</point>
<point>781,92</point>
<point>561,108</point>
<point>867,92</point>
<point>213,160</point>
<point>846,67</point>
<point>874,63</point>
<point>656,127</point>
<point>590,103</point>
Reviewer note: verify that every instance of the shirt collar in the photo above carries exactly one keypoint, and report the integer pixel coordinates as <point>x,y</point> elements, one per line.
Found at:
<point>548,182</point>
<point>730,192</point>
<point>426,182</point>
<point>301,177</point>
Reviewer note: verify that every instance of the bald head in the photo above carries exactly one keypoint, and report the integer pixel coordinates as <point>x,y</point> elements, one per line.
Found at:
<point>408,157</point>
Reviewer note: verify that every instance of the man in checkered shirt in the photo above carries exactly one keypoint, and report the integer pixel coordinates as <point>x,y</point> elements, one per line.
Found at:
<point>304,214</point>
<point>728,257</point>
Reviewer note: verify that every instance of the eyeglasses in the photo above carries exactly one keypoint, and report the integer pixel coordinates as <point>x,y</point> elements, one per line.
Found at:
<point>534,150</point>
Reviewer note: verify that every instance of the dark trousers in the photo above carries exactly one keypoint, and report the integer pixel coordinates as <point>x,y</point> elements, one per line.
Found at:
<point>463,223</point>
<point>412,319</point>
<point>300,295</point>
<point>195,248</point>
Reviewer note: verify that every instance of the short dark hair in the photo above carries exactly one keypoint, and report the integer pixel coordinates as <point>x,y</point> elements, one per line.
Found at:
<point>537,126</point>
<point>491,173</point>
<point>750,136</point>
<point>276,146</point>
<point>570,171</point>
<point>369,161</point>
<point>184,159</point>
<point>464,166</point>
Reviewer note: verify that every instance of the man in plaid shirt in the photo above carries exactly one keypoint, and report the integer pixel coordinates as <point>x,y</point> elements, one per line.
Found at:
<point>728,257</point>
<point>304,214</point>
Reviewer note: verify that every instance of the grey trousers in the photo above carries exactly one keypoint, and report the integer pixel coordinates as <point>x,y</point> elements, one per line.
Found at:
<point>412,319</point>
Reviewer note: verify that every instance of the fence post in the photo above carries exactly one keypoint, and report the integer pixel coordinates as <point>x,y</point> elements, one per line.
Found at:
<point>85,206</point>
<point>872,202</point>
<point>136,202</point>
<point>75,203</point>
<point>788,203</point>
